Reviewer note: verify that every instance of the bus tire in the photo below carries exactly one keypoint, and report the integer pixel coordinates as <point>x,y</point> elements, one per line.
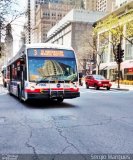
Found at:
<point>19,95</point>
<point>60,100</point>
<point>9,90</point>
<point>5,85</point>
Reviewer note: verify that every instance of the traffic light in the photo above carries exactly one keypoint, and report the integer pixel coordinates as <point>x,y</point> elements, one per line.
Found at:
<point>122,53</point>
<point>119,54</point>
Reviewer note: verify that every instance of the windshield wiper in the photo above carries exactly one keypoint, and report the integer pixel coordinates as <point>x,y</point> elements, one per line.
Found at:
<point>42,81</point>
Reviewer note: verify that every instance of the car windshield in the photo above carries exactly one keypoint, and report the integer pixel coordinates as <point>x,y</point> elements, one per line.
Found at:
<point>51,69</point>
<point>99,77</point>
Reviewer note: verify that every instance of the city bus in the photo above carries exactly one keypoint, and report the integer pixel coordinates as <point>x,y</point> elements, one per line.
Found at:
<point>43,71</point>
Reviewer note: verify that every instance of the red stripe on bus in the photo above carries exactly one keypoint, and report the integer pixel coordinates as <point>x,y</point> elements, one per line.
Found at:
<point>72,89</point>
<point>52,89</point>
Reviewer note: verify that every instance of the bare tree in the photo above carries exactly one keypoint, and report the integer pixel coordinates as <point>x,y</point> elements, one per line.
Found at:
<point>88,52</point>
<point>8,14</point>
<point>85,52</point>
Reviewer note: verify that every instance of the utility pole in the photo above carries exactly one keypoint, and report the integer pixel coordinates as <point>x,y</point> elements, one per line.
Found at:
<point>29,24</point>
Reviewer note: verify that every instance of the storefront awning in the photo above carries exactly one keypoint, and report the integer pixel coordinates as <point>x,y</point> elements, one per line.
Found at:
<point>107,66</point>
<point>127,64</point>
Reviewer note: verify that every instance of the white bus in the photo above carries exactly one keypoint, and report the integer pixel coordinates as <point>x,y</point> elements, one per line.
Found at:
<point>43,71</point>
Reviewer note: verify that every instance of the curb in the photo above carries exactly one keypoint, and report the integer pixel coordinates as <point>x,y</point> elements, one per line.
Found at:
<point>120,89</point>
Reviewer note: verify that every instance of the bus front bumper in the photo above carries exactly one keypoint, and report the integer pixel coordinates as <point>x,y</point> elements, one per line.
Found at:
<point>53,95</point>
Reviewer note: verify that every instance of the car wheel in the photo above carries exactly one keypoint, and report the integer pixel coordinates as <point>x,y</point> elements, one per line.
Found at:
<point>96,87</point>
<point>108,88</point>
<point>87,86</point>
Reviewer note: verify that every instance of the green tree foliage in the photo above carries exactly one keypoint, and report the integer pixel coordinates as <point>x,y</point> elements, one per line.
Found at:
<point>114,25</point>
<point>118,27</point>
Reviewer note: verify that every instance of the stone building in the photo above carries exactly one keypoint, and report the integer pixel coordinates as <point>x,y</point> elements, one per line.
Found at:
<point>8,43</point>
<point>75,30</point>
<point>2,54</point>
<point>105,5</point>
<point>46,16</point>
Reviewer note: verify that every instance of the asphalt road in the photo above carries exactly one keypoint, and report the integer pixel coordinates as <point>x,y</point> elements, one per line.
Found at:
<point>97,122</point>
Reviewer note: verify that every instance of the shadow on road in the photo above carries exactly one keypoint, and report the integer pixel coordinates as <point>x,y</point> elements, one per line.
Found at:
<point>46,104</point>
<point>41,104</point>
<point>101,89</point>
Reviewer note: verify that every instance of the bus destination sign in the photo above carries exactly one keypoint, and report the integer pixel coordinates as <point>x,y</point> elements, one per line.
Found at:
<point>48,53</point>
<point>45,52</point>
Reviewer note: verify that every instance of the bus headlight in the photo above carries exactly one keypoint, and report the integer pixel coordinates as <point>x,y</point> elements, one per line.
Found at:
<point>32,88</point>
<point>73,85</point>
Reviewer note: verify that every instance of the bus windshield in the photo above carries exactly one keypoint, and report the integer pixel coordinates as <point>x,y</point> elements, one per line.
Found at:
<point>52,69</point>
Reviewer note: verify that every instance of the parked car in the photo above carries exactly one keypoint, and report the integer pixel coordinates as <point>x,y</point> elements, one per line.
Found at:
<point>97,81</point>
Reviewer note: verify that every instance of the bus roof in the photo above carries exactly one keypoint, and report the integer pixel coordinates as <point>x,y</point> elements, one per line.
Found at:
<point>48,45</point>
<point>21,51</point>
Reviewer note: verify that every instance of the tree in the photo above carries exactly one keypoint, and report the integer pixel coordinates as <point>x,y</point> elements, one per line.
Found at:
<point>114,25</point>
<point>8,14</point>
<point>85,52</point>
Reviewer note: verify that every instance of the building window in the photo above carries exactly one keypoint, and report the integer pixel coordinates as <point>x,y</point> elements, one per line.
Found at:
<point>129,51</point>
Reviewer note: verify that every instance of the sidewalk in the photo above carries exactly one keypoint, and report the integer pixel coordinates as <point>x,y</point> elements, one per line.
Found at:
<point>122,86</point>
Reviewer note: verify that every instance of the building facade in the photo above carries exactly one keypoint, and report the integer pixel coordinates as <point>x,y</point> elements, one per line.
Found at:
<point>119,3</point>
<point>108,66</point>
<point>90,5</point>
<point>105,5</point>
<point>8,43</point>
<point>2,55</point>
<point>46,16</point>
<point>75,30</point>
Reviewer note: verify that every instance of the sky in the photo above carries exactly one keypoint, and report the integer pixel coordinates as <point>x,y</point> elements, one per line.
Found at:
<point>17,25</point>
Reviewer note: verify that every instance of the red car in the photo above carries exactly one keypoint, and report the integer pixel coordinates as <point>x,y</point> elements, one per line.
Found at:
<point>97,81</point>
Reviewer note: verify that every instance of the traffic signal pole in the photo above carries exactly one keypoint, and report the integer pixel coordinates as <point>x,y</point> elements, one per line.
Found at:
<point>119,58</point>
<point>119,66</point>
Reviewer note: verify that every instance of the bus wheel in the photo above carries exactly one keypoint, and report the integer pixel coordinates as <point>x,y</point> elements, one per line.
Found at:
<point>19,95</point>
<point>9,90</point>
<point>5,85</point>
<point>59,100</point>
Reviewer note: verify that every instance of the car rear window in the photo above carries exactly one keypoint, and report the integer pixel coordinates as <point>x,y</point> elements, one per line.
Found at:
<point>99,77</point>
